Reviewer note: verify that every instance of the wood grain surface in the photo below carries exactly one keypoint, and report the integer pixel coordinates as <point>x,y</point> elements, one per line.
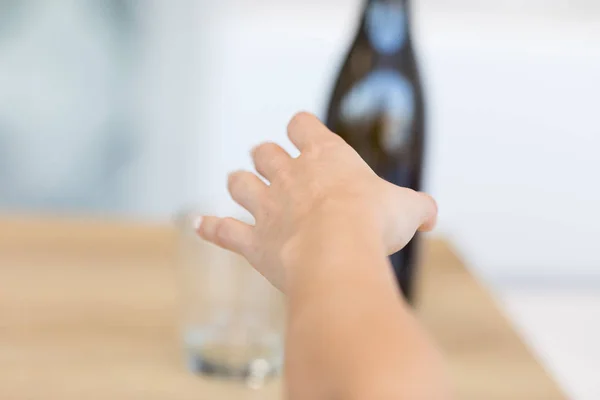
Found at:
<point>88,311</point>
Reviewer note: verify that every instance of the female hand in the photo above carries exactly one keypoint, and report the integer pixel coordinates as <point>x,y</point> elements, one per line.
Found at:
<point>327,183</point>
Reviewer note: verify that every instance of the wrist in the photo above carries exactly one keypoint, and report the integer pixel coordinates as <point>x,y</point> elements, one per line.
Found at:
<point>332,248</point>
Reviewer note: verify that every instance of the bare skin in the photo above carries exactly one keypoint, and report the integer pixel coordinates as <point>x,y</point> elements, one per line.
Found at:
<point>324,227</point>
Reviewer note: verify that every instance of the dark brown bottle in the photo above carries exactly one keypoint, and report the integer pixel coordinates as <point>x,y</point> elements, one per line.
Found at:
<point>377,106</point>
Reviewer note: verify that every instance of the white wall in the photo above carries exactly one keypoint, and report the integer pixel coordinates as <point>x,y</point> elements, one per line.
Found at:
<point>514,164</point>
<point>513,99</point>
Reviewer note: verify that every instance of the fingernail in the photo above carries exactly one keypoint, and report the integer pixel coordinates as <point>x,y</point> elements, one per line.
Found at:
<point>197,223</point>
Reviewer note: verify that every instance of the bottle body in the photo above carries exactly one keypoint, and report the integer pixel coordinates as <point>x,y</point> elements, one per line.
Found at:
<point>377,106</point>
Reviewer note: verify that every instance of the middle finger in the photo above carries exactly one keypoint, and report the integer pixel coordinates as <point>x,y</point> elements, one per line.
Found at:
<point>270,159</point>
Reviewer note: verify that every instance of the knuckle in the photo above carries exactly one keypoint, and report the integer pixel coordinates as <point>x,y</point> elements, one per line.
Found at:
<point>222,230</point>
<point>329,143</point>
<point>281,167</point>
<point>324,148</point>
<point>333,140</point>
<point>284,178</point>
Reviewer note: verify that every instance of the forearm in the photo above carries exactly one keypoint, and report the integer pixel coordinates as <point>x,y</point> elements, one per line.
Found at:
<point>349,333</point>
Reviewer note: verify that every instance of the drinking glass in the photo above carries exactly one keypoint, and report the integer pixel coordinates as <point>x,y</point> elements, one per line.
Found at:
<point>232,317</point>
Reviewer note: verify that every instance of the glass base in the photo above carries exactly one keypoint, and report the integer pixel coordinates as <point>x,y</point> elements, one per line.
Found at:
<point>252,363</point>
<point>255,374</point>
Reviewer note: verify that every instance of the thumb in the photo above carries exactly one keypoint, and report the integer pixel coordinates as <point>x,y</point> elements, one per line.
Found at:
<point>409,212</point>
<point>429,212</point>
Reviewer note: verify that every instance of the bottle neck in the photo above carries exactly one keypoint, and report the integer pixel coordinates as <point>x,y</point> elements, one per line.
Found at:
<point>401,2</point>
<point>386,24</point>
<point>404,4</point>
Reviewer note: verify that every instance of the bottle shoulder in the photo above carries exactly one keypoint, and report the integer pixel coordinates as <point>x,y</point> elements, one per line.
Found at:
<point>362,58</point>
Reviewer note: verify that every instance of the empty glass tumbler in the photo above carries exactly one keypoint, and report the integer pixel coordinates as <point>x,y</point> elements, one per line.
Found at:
<point>232,317</point>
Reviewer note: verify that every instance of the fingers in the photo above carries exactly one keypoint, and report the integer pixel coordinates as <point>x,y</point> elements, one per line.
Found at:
<point>270,159</point>
<point>306,131</point>
<point>228,233</point>
<point>247,190</point>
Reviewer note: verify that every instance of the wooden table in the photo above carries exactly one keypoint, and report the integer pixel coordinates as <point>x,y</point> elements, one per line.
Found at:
<point>88,311</point>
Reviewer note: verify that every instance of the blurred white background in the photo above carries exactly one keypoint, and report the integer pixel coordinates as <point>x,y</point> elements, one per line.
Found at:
<point>182,90</point>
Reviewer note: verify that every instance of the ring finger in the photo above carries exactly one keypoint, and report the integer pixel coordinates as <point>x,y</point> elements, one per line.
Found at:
<point>247,190</point>
<point>270,159</point>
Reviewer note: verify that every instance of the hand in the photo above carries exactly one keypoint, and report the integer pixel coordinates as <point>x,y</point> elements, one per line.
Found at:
<point>328,180</point>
